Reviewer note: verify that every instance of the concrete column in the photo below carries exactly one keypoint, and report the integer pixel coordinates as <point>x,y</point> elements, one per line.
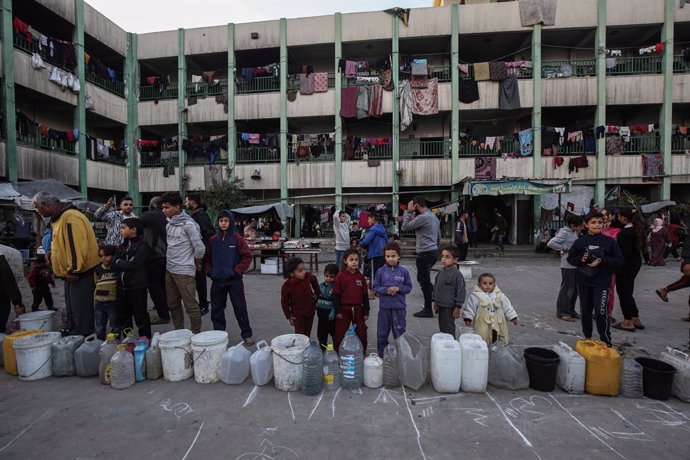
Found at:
<point>8,101</point>
<point>666,113</point>
<point>181,109</point>
<point>338,120</point>
<point>132,128</point>
<point>232,129</point>
<point>395,66</point>
<point>600,117</point>
<point>455,105</point>
<point>80,109</point>
<point>536,126</point>
<point>283,112</point>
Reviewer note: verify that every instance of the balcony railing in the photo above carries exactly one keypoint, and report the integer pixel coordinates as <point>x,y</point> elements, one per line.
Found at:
<point>111,159</point>
<point>442,72</point>
<point>257,155</point>
<point>636,65</point>
<point>203,88</point>
<point>264,84</point>
<point>205,159</point>
<point>150,159</point>
<point>642,144</point>
<point>21,43</point>
<point>376,152</point>
<point>35,139</point>
<point>507,145</point>
<point>680,65</point>
<point>419,148</point>
<point>679,144</point>
<point>155,92</point>
<point>113,86</point>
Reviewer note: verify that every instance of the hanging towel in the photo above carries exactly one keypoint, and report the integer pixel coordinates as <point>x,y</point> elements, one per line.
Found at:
<point>350,69</point>
<point>469,91</point>
<point>306,84</point>
<point>481,71</point>
<point>485,168</point>
<point>537,11</point>
<point>498,70</point>
<point>406,103</point>
<point>614,145</point>
<point>254,138</point>
<point>425,100</point>
<point>610,63</point>
<point>348,102</point>
<point>320,82</point>
<point>363,102</point>
<point>376,101</point>
<point>509,94</point>
<point>526,142</point>
<point>652,167</point>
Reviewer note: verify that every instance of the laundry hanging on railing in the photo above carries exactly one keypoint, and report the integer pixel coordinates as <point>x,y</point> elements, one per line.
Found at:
<point>59,51</point>
<point>652,167</point>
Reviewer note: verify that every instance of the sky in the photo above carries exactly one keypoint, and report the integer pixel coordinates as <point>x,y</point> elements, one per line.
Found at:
<point>153,15</point>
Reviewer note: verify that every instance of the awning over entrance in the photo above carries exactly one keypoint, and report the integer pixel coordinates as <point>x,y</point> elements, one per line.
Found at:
<point>519,187</point>
<point>283,210</point>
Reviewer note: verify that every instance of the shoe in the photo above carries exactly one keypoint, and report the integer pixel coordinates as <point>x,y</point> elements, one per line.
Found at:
<point>424,313</point>
<point>203,310</point>
<point>640,326</point>
<point>661,295</point>
<point>249,342</point>
<point>158,320</point>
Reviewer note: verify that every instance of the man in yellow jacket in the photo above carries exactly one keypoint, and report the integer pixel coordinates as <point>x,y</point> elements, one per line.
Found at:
<point>74,254</point>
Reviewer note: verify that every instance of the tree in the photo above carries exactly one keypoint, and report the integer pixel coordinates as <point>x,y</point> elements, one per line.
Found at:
<point>224,194</point>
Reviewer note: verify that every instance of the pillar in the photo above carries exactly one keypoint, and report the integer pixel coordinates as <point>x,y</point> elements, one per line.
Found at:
<point>666,113</point>
<point>395,66</point>
<point>283,112</point>
<point>10,116</point>
<point>338,120</point>
<point>536,126</point>
<point>600,116</point>
<point>132,128</point>
<point>232,128</point>
<point>181,110</point>
<point>80,109</point>
<point>455,105</point>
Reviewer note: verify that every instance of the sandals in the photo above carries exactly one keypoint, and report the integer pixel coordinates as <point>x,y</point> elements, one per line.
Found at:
<point>569,319</point>
<point>619,327</point>
<point>661,295</point>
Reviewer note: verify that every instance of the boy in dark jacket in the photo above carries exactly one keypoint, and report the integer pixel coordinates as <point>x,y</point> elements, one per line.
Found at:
<point>324,306</point>
<point>392,283</point>
<point>595,255</point>
<point>351,300</point>
<point>449,291</point>
<point>131,265</point>
<point>197,211</point>
<point>227,259</point>
<point>40,280</point>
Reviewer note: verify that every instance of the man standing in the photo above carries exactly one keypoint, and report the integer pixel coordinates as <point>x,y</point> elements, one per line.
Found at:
<point>11,276</point>
<point>197,211</point>
<point>74,254</point>
<point>341,228</point>
<point>418,217</point>
<point>154,234</point>
<point>461,236</point>
<point>114,218</point>
<point>499,231</point>
<point>567,296</point>
<point>183,258</point>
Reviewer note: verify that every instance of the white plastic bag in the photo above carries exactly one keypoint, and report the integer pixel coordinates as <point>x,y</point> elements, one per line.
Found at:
<point>37,61</point>
<point>507,368</point>
<point>56,76</point>
<point>75,86</point>
<point>414,365</point>
<point>68,81</point>
<point>88,103</point>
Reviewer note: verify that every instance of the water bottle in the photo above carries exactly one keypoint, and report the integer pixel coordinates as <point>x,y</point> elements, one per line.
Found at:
<point>331,374</point>
<point>351,361</point>
<point>130,339</point>
<point>312,370</point>
<point>105,353</point>
<point>140,361</point>
<point>154,366</point>
<point>391,367</point>
<point>631,379</point>
<point>122,368</point>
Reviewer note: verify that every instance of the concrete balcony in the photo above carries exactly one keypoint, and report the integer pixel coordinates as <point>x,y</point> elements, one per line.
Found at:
<point>34,163</point>
<point>258,105</point>
<point>681,88</point>
<point>635,89</point>
<point>107,104</point>
<point>37,80</point>
<point>162,113</point>
<point>206,109</point>
<point>488,95</point>
<point>270,176</point>
<point>106,176</point>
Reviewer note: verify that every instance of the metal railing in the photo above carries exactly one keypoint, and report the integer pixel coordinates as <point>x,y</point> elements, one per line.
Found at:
<point>205,159</point>
<point>642,144</point>
<point>327,155</point>
<point>376,152</point>
<point>420,148</point>
<point>680,64</point>
<point>155,92</point>
<point>257,155</point>
<point>21,43</point>
<point>203,88</point>
<point>113,86</point>
<point>34,138</point>
<point>151,159</point>
<point>569,68</point>
<point>507,146</point>
<point>265,84</point>
<point>111,159</point>
<point>679,144</point>
<point>636,65</point>
<point>442,72</point>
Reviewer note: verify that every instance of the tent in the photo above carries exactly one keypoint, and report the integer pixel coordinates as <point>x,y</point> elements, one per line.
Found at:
<point>10,197</point>
<point>283,210</point>
<point>60,190</point>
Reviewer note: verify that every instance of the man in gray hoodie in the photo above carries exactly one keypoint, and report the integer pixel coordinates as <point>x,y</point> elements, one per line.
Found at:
<point>183,258</point>
<point>567,296</point>
<point>418,217</point>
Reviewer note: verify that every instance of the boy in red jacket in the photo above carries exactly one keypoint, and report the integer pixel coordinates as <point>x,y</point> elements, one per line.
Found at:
<point>351,300</point>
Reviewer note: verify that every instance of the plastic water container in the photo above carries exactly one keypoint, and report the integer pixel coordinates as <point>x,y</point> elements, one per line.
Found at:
<point>86,357</point>
<point>657,378</point>
<point>681,381</point>
<point>176,355</point>
<point>130,339</point>
<point>261,364</point>
<point>631,379</point>
<point>105,354</point>
<point>446,364</point>
<point>351,361</point>
<point>42,320</point>
<point>571,369</point>
<point>122,368</point>
<point>288,351</point>
<point>414,369</point>
<point>2,337</point>
<point>312,370</point>
<point>9,357</point>
<point>373,371</point>
<point>475,363</point>
<point>63,355</point>
<point>542,365</point>
<point>438,337</point>
<point>235,365</point>
<point>208,348</point>
<point>507,368</point>
<point>331,369</point>
<point>154,367</point>
<point>140,361</point>
<point>34,355</point>
<point>603,369</point>
<point>391,367</point>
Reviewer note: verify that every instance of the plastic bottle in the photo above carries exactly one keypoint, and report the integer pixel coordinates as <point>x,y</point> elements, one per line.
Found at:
<point>351,361</point>
<point>86,357</point>
<point>105,353</point>
<point>130,340</point>
<point>154,367</point>
<point>140,360</point>
<point>391,367</point>
<point>122,368</point>
<point>331,374</point>
<point>373,371</point>
<point>312,370</point>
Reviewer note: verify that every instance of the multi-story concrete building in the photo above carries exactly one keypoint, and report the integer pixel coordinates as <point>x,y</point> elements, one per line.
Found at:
<point>585,71</point>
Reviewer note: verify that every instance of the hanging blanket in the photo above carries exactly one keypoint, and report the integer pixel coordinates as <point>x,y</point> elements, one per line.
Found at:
<point>614,145</point>
<point>652,167</point>
<point>320,82</point>
<point>306,84</point>
<point>348,102</point>
<point>405,105</point>
<point>509,94</point>
<point>425,100</point>
<point>469,91</point>
<point>376,101</point>
<point>498,70</point>
<point>526,142</point>
<point>485,168</point>
<point>362,102</point>
<point>481,71</point>
<point>537,11</point>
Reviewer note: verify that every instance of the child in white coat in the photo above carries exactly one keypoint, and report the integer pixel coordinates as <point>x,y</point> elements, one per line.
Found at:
<point>488,310</point>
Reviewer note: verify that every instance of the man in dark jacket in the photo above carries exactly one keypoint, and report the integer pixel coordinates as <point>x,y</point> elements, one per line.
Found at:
<point>197,210</point>
<point>155,236</point>
<point>131,263</point>
<point>227,259</point>
<point>11,270</point>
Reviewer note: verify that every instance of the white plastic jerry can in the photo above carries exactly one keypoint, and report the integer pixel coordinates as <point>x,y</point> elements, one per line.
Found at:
<point>571,370</point>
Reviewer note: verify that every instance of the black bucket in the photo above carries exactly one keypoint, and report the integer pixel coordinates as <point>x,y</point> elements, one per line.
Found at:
<point>542,366</point>
<point>657,378</point>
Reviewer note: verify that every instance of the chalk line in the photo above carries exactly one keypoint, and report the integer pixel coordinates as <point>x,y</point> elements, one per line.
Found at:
<point>585,427</point>
<point>673,410</point>
<point>414,424</point>
<point>23,431</point>
<point>524,439</point>
<point>291,409</point>
<point>317,405</point>
<point>333,402</point>
<point>194,441</point>
<point>251,396</point>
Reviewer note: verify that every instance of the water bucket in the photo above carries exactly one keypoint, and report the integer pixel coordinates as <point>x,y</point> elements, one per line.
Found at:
<point>34,355</point>
<point>37,320</point>
<point>542,366</point>
<point>8,354</point>
<point>657,378</point>
<point>176,355</point>
<point>208,348</point>
<point>287,360</point>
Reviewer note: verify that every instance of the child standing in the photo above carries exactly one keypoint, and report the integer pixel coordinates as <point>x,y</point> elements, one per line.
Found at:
<point>351,300</point>
<point>324,306</point>
<point>595,255</point>
<point>227,258</point>
<point>487,310</point>
<point>131,263</point>
<point>374,240</point>
<point>298,296</point>
<point>105,294</point>
<point>40,280</point>
<point>449,291</point>
<point>392,283</point>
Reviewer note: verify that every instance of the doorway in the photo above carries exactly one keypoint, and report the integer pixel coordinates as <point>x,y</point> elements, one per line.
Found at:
<point>485,208</point>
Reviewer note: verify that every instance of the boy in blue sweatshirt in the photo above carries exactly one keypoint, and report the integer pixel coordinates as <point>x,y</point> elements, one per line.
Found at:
<point>374,240</point>
<point>325,310</point>
<point>392,282</point>
<point>595,255</point>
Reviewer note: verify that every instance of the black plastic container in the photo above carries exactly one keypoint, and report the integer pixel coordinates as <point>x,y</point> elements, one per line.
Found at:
<point>657,378</point>
<point>542,366</point>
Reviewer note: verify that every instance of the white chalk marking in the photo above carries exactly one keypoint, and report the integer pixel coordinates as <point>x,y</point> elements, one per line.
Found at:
<point>673,410</point>
<point>23,431</point>
<point>585,427</point>
<point>628,435</point>
<point>194,441</point>
<point>384,396</point>
<point>251,396</point>
<point>333,402</point>
<point>317,405</point>
<point>524,439</point>
<point>291,409</point>
<point>414,424</point>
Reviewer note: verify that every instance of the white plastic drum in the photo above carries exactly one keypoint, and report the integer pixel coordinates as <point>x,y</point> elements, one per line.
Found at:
<point>208,348</point>
<point>287,360</point>
<point>176,355</point>
<point>33,353</point>
<point>42,320</point>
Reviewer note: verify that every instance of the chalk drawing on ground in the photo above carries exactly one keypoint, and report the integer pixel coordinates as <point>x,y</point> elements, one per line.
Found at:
<point>179,410</point>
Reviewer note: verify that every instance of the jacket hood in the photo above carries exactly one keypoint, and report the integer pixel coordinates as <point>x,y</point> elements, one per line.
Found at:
<point>479,292</point>
<point>227,213</point>
<point>180,219</point>
<point>378,228</point>
<point>63,207</point>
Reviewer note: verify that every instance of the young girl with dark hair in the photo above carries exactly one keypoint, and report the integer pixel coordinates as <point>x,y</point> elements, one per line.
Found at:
<point>298,296</point>
<point>631,240</point>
